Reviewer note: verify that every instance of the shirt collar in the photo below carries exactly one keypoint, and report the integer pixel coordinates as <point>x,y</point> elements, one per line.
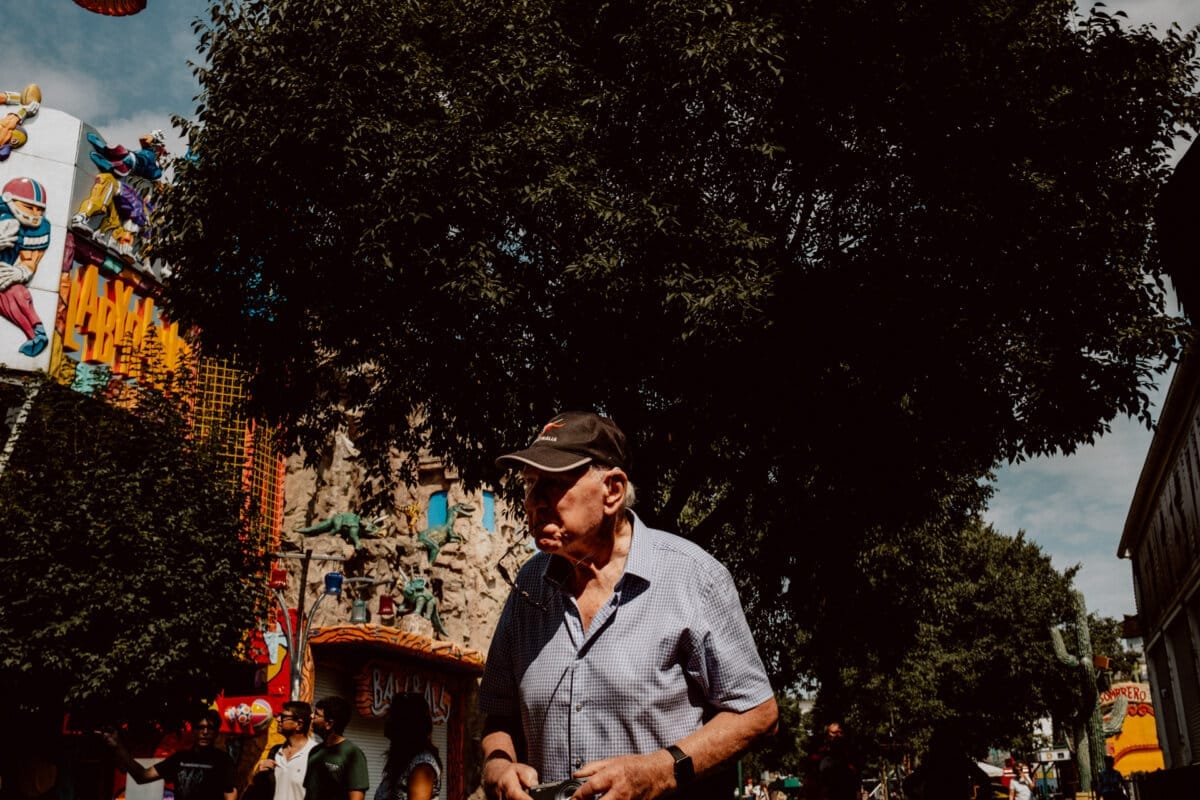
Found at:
<point>640,562</point>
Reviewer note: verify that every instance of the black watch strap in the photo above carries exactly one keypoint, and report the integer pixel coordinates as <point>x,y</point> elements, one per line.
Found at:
<point>685,771</point>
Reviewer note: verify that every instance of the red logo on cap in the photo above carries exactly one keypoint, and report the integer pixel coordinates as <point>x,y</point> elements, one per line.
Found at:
<point>558,423</point>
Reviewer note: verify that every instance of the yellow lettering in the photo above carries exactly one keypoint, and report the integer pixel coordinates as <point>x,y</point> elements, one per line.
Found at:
<point>106,323</point>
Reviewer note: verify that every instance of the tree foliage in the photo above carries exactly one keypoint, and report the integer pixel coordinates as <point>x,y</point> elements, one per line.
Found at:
<point>976,652</point>
<point>784,753</point>
<point>129,571</point>
<point>1107,637</point>
<point>827,263</point>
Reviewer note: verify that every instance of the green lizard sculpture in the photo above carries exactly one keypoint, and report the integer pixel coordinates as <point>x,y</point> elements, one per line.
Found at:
<point>434,537</point>
<point>418,595</point>
<point>349,526</point>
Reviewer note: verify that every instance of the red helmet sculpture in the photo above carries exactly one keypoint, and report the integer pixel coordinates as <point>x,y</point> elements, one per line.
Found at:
<point>24,191</point>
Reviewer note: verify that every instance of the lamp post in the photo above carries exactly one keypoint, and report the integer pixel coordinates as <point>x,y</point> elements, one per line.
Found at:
<point>297,634</point>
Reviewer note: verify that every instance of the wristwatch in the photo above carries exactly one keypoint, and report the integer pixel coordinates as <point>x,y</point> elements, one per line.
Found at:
<point>685,771</point>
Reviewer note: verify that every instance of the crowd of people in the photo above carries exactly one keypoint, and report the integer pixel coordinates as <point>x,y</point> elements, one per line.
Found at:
<point>303,767</point>
<point>622,666</point>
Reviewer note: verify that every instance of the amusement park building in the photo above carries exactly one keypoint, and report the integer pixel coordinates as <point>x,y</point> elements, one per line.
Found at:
<point>86,314</point>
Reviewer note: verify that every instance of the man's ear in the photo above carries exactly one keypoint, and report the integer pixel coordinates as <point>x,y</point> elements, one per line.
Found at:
<point>616,483</point>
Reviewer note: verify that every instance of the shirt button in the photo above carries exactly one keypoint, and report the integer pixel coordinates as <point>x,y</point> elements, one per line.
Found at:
<point>579,706</point>
<point>578,763</point>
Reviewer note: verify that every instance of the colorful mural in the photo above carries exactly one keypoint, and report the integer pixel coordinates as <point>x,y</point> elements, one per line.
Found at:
<point>24,239</point>
<point>32,176</point>
<point>1135,748</point>
<point>109,328</point>
<point>12,134</point>
<point>120,195</point>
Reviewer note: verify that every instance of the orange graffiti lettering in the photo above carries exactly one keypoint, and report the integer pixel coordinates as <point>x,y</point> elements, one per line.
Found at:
<point>106,323</point>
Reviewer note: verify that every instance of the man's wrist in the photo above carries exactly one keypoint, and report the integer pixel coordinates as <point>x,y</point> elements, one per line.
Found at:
<point>499,755</point>
<point>684,769</point>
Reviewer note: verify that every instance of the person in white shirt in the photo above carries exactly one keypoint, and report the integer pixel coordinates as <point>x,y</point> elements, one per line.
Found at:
<point>289,761</point>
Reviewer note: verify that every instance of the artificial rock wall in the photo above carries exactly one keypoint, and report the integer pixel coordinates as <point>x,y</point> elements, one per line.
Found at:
<point>464,577</point>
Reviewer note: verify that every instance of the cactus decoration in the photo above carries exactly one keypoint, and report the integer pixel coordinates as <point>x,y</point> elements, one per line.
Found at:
<point>1087,724</point>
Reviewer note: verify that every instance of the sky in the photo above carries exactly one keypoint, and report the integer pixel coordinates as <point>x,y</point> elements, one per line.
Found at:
<point>1075,506</point>
<point>128,76</point>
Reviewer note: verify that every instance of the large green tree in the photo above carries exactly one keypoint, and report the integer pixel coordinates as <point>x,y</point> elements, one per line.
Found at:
<point>130,573</point>
<point>980,657</point>
<point>827,262</point>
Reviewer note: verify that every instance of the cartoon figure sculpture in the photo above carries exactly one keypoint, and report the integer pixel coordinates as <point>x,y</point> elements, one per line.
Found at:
<point>435,537</point>
<point>124,210</point>
<point>124,206</point>
<point>24,238</point>
<point>349,526</point>
<point>12,135</point>
<point>141,163</point>
<point>423,602</point>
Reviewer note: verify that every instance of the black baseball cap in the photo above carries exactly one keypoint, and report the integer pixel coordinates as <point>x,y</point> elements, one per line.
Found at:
<point>572,439</point>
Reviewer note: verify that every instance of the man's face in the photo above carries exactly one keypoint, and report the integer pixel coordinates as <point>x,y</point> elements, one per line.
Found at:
<point>319,723</point>
<point>565,509</point>
<point>287,723</point>
<point>206,733</point>
<point>834,732</point>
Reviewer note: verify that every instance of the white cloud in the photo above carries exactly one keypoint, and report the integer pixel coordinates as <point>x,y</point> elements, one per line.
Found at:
<point>1160,13</point>
<point>1075,506</point>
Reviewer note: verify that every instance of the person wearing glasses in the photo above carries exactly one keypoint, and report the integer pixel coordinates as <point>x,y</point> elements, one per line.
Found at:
<point>202,772</point>
<point>622,658</point>
<point>284,769</point>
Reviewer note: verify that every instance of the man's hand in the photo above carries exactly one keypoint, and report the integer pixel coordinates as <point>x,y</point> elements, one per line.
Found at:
<point>508,780</point>
<point>628,777</point>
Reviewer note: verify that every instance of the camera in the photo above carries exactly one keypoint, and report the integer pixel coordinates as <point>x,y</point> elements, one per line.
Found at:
<point>555,791</point>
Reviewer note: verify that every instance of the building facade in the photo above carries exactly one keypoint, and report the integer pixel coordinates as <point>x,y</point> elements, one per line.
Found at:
<point>1161,536</point>
<point>419,592</point>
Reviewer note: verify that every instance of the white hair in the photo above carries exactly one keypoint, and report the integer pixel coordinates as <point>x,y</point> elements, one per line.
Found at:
<point>630,491</point>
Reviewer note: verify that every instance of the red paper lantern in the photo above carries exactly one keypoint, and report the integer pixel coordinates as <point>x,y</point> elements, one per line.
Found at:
<point>279,578</point>
<point>113,8</point>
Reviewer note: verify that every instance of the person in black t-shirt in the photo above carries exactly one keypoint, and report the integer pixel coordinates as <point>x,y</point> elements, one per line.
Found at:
<point>202,772</point>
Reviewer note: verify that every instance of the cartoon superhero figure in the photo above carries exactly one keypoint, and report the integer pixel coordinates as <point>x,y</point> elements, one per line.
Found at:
<point>141,163</point>
<point>125,213</point>
<point>12,135</point>
<point>24,238</point>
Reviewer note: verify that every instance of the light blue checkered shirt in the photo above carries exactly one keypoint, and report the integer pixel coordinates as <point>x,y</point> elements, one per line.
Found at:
<point>671,644</point>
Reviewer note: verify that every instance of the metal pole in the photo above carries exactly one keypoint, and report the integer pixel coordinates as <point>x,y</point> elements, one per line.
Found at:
<point>298,638</point>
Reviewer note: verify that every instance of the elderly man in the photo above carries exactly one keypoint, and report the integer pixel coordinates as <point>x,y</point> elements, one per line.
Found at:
<point>622,658</point>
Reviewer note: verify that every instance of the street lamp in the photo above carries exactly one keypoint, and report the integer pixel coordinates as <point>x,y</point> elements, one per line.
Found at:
<point>297,634</point>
